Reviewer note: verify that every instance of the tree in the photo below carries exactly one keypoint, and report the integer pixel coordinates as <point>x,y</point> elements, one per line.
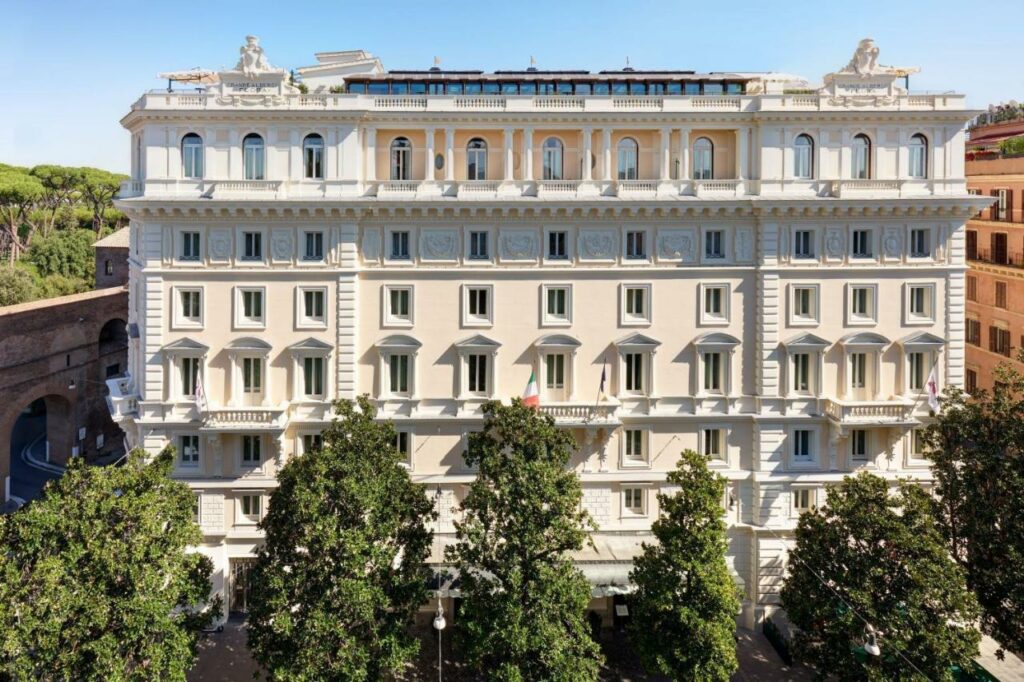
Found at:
<point>341,574</point>
<point>98,189</point>
<point>69,253</point>
<point>522,616</point>
<point>96,578</point>
<point>872,556</point>
<point>16,285</point>
<point>20,193</point>
<point>976,450</point>
<point>684,608</point>
<point>61,184</point>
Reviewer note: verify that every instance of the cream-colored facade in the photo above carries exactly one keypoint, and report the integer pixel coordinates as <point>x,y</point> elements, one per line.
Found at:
<point>765,273</point>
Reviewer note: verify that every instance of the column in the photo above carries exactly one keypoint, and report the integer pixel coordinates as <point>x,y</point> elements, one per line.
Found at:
<point>606,154</point>
<point>684,153</point>
<point>370,144</point>
<point>449,154</point>
<point>741,153</point>
<point>507,176</point>
<point>528,154</point>
<point>588,152</point>
<point>428,161</point>
<point>666,155</point>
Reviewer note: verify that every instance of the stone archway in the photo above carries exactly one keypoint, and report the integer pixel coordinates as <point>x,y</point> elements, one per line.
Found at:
<point>45,421</point>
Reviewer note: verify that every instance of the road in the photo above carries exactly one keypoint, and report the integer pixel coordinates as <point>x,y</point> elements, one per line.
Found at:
<point>27,481</point>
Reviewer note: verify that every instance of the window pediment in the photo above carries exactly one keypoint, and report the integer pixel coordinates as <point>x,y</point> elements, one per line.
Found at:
<point>310,346</point>
<point>716,339</point>
<point>557,341</point>
<point>922,340</point>
<point>185,346</point>
<point>249,343</point>
<point>399,342</point>
<point>864,339</point>
<point>806,342</point>
<point>637,341</point>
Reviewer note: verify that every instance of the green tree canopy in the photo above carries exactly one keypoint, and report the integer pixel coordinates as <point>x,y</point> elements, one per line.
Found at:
<point>977,450</point>
<point>684,610</point>
<point>20,194</point>
<point>884,555</point>
<point>96,578</point>
<point>69,253</point>
<point>61,183</point>
<point>98,189</point>
<point>341,574</point>
<point>522,615</point>
<point>16,285</point>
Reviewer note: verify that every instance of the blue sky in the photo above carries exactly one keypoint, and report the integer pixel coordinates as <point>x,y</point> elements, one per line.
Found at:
<point>70,70</point>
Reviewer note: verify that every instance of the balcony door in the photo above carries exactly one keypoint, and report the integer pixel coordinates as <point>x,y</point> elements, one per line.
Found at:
<point>999,247</point>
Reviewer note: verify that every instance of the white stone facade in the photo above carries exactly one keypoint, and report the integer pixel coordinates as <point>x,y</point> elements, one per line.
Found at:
<point>771,306</point>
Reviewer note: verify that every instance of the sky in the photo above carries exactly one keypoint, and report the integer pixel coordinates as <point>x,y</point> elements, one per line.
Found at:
<point>70,70</point>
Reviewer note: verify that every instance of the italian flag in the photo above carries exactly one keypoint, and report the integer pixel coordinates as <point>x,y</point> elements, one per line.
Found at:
<point>531,396</point>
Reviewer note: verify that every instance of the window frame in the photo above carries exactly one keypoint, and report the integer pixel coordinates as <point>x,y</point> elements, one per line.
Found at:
<point>627,159</point>
<point>243,519</point>
<point>568,257</point>
<point>241,322</point>
<point>813,319</point>
<point>627,319</point>
<point>250,464</point>
<point>195,462</point>
<point>302,321</point>
<point>811,243</point>
<point>861,154</point>
<point>803,145</point>
<point>643,438</point>
<point>929,250</point>
<point>314,157</point>
<point>476,321</point>
<point>872,254</point>
<point>473,154</point>
<point>929,316</point>
<point>190,158</point>
<point>721,255</point>
<point>723,318</point>
<point>258,240</point>
<point>641,234</point>
<point>306,258</point>
<point>185,237</point>
<point>798,493</point>
<point>627,512</point>
<point>722,457</point>
<point>390,320</point>
<point>809,459</point>
<point>389,254</point>
<point>699,153</point>
<point>917,155</point>
<point>178,319</point>
<point>546,317</point>
<point>854,320</point>
<point>254,157</point>
<point>400,153</point>
<point>558,152</point>
<point>854,455</point>
<point>303,395</point>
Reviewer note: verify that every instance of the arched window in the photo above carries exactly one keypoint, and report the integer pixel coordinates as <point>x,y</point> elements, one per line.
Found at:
<point>253,156</point>
<point>401,158</point>
<point>476,159</point>
<point>703,159</point>
<point>192,156</point>
<point>918,156</point>
<point>803,157</point>
<point>861,157</point>
<point>629,153</point>
<point>313,156</point>
<point>552,159</point>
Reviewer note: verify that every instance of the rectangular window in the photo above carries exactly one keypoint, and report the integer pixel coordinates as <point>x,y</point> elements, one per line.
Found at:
<point>803,500</point>
<point>862,244</point>
<point>252,507</point>
<point>477,366</point>
<point>1002,203</point>
<point>251,450</point>
<point>1001,295</point>
<point>973,332</point>
<point>634,372</point>
<point>398,373</point>
<point>189,450</point>
<point>972,245</point>
<point>634,450</point>
<point>556,304</point>
<point>635,249</point>
<point>805,304</point>
<point>802,445</point>
<point>713,441</point>
<point>252,307</point>
<point>252,375</point>
<point>916,371</point>
<point>399,302</point>
<point>971,381</point>
<point>190,246</point>
<point>478,305</point>
<point>999,340</point>
<point>478,249</point>
<point>858,444</point>
<point>400,245</point>
<point>714,302</point>
<point>314,306</point>
<point>558,248</point>
<point>314,246</point>
<point>920,243</point>
<point>714,244</point>
<point>636,304</point>
<point>803,244</point>
<point>252,246</point>
<point>189,376</point>
<point>190,305</point>
<point>312,442</point>
<point>858,370</point>
<point>920,302</point>
<point>918,447</point>
<point>802,373</point>
<point>972,288</point>
<point>862,303</point>
<point>712,372</point>
<point>633,501</point>
<point>404,447</point>
<point>313,377</point>
<point>554,364</point>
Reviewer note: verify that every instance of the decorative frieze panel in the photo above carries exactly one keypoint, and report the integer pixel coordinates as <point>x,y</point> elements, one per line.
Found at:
<point>439,245</point>
<point>220,244</point>
<point>370,246</point>
<point>598,244</point>
<point>677,245</point>
<point>835,243</point>
<point>282,245</point>
<point>892,243</point>
<point>519,246</point>
<point>744,244</point>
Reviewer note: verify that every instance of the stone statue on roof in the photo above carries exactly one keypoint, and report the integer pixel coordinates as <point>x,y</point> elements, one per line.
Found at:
<point>253,62</point>
<point>864,62</point>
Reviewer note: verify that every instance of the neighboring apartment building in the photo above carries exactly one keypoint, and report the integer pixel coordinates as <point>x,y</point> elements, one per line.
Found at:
<point>995,252</point>
<point>768,275</point>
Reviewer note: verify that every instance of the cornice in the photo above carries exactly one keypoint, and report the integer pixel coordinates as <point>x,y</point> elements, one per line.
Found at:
<point>951,208</point>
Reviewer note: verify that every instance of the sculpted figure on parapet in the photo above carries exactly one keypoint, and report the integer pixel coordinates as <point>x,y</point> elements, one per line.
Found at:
<point>252,61</point>
<point>865,59</point>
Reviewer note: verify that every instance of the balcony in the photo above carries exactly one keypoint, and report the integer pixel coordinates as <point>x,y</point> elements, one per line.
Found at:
<point>893,412</point>
<point>585,415</point>
<point>1012,259</point>
<point>122,401</point>
<point>235,419</point>
<point>855,189</point>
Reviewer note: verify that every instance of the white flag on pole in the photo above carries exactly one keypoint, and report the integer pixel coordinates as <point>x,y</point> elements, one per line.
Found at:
<point>933,389</point>
<point>200,393</point>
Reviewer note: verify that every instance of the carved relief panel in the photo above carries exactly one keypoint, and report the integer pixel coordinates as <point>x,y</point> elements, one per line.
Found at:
<point>439,245</point>
<point>677,245</point>
<point>519,246</point>
<point>598,244</point>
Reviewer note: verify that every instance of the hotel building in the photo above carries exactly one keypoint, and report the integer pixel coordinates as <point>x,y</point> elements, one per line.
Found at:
<point>768,272</point>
